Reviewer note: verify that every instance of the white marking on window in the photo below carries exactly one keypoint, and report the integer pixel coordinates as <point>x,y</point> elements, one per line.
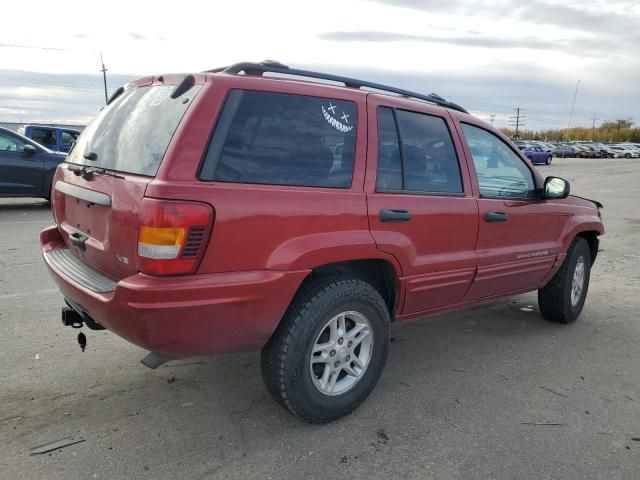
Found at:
<point>345,117</point>
<point>334,122</point>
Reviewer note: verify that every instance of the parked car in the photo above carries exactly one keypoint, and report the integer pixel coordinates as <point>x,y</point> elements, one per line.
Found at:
<point>54,138</point>
<point>536,154</point>
<point>623,151</point>
<point>26,168</point>
<point>565,151</point>
<point>228,224</point>
<point>590,151</point>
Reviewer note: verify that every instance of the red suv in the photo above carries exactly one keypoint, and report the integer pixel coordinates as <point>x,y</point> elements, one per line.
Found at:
<point>233,210</point>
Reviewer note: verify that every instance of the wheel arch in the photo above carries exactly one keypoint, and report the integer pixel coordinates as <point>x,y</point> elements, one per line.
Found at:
<point>381,274</point>
<point>591,236</point>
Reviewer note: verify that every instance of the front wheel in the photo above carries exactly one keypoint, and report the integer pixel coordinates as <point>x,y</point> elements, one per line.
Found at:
<point>548,161</point>
<point>562,299</point>
<point>328,353</point>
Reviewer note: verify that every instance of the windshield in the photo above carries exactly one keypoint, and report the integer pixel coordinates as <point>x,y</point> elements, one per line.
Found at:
<point>132,133</point>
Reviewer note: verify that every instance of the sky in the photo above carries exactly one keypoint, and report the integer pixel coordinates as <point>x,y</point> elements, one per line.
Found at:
<point>489,56</point>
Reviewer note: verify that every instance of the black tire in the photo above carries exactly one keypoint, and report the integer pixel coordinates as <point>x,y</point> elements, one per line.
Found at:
<point>548,160</point>
<point>627,155</point>
<point>285,359</point>
<point>554,299</point>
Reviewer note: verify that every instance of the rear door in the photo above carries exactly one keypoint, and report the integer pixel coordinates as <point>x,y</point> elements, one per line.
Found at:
<point>517,235</point>
<point>21,173</point>
<point>98,213</point>
<point>420,205</point>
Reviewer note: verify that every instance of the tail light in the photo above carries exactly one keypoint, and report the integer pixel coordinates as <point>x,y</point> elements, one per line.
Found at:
<point>172,236</point>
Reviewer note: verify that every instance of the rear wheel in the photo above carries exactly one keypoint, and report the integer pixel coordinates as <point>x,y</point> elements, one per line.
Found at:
<point>562,299</point>
<point>548,161</point>
<point>329,351</point>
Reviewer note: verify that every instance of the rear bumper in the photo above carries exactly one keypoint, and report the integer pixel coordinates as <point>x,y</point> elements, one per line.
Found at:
<point>183,315</point>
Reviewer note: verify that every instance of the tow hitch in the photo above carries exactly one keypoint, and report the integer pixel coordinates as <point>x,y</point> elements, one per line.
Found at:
<point>72,317</point>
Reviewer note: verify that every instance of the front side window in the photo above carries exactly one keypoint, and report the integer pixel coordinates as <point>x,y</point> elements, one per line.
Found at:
<point>421,158</point>
<point>283,139</point>
<point>501,173</point>
<point>9,143</point>
<point>44,136</point>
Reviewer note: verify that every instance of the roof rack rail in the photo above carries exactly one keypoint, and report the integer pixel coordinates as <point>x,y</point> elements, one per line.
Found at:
<point>271,66</point>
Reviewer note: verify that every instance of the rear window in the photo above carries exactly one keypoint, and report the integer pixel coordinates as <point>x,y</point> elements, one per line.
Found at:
<point>283,139</point>
<point>132,133</point>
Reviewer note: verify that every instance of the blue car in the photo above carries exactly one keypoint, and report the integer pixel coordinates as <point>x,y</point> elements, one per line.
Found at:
<point>26,167</point>
<point>536,154</point>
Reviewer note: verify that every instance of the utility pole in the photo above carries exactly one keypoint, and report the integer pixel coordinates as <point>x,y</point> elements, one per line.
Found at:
<point>573,104</point>
<point>492,117</point>
<point>104,78</point>
<point>593,126</point>
<point>517,121</point>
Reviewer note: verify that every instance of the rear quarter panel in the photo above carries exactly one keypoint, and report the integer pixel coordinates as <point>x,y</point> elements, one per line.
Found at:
<point>266,226</point>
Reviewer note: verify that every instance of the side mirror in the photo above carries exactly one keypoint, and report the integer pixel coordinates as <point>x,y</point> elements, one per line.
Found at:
<point>29,149</point>
<point>555,187</point>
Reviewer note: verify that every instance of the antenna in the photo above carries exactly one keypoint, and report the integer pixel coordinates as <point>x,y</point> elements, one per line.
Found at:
<point>104,78</point>
<point>573,104</point>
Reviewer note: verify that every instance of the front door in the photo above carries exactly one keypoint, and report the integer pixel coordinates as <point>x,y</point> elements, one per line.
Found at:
<point>518,233</point>
<point>21,173</point>
<point>420,205</point>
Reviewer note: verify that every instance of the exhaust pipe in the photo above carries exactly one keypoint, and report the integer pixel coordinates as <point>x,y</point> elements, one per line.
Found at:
<point>154,360</point>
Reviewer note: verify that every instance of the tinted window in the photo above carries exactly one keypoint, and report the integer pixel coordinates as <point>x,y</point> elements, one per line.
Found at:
<point>282,139</point>
<point>501,173</point>
<point>423,159</point>
<point>44,136</point>
<point>132,133</point>
<point>389,161</point>
<point>9,143</point>
<point>68,137</point>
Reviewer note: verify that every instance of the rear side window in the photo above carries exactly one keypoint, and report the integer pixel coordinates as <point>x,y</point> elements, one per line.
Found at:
<point>416,154</point>
<point>132,133</point>
<point>283,139</point>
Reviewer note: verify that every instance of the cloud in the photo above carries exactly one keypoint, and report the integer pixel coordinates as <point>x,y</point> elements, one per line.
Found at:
<point>137,36</point>
<point>544,97</point>
<point>53,98</point>
<point>584,16</point>
<point>581,46</point>
<point>468,41</point>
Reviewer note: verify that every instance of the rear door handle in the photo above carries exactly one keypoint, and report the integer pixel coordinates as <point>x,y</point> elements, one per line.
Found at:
<point>496,217</point>
<point>395,216</point>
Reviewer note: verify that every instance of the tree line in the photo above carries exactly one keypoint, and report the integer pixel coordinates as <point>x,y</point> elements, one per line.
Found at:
<point>613,131</point>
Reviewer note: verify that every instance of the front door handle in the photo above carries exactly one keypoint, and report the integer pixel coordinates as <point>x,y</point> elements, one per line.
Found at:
<point>395,216</point>
<point>496,217</point>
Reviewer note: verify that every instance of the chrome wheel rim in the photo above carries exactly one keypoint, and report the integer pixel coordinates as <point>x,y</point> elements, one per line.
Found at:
<point>577,283</point>
<point>341,353</point>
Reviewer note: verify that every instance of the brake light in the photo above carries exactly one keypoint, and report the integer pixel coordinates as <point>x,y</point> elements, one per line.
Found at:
<point>172,236</point>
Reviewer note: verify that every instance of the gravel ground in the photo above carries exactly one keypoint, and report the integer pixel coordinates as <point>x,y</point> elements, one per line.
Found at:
<point>494,392</point>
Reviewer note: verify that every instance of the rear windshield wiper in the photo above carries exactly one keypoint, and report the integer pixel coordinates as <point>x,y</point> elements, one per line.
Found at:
<point>86,171</point>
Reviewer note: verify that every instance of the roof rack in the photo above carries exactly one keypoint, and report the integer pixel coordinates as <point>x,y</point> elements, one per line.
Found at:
<point>271,66</point>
